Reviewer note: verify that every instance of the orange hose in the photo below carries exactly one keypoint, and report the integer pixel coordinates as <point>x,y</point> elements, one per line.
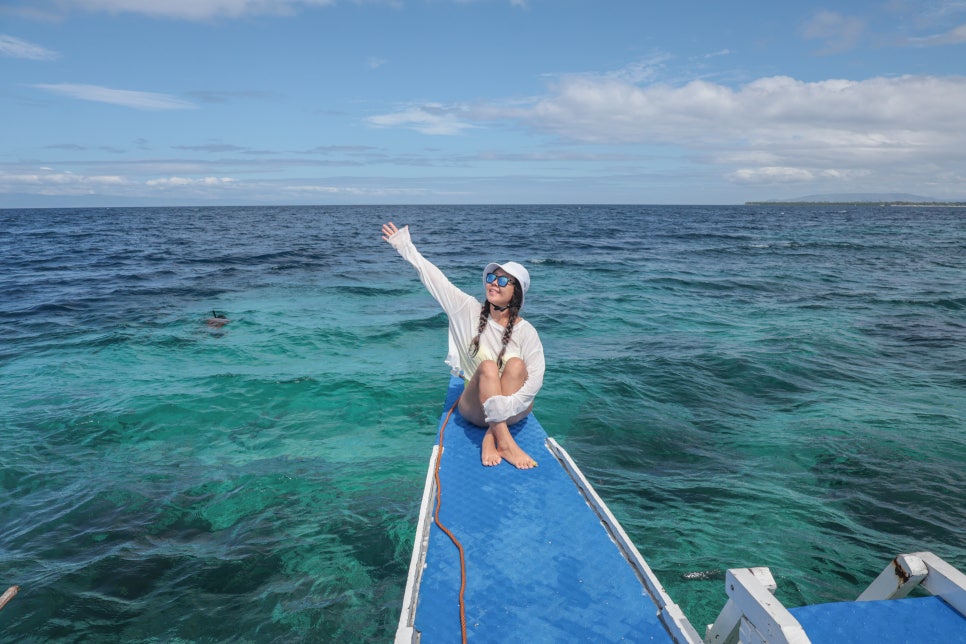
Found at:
<point>456,542</point>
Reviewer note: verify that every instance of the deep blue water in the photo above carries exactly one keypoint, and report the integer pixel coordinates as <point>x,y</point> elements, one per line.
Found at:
<point>780,386</point>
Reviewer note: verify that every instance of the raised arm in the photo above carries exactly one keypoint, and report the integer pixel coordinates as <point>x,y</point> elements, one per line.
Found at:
<point>443,291</point>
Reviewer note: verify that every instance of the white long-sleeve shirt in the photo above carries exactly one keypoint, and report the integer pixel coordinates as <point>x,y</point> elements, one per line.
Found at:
<point>463,311</point>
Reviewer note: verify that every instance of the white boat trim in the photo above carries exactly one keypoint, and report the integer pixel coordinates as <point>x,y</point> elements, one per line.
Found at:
<point>670,614</point>
<point>406,632</point>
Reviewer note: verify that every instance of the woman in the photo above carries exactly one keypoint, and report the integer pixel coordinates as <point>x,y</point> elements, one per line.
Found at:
<point>498,352</point>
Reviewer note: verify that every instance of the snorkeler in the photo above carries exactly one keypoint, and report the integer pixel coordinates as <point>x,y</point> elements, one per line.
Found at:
<point>498,352</point>
<point>217,320</point>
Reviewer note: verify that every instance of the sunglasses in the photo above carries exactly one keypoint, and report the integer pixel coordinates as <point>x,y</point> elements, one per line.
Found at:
<point>501,280</point>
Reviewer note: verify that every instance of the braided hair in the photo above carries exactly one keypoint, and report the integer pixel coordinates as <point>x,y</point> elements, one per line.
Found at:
<point>516,300</point>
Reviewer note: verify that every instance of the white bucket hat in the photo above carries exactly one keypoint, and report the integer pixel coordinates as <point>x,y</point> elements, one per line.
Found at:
<point>514,270</point>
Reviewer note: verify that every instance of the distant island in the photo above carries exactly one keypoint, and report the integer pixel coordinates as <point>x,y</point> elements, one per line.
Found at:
<point>943,204</point>
<point>860,199</point>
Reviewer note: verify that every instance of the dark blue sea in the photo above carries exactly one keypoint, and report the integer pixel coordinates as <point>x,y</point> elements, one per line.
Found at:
<point>779,386</point>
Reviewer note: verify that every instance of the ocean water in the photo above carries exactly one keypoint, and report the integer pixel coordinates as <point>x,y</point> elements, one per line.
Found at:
<point>744,386</point>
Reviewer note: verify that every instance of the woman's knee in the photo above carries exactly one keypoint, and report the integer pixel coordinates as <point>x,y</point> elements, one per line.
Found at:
<point>488,369</point>
<point>515,368</point>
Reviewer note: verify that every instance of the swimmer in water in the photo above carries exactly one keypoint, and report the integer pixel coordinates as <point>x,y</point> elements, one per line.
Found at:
<point>217,320</point>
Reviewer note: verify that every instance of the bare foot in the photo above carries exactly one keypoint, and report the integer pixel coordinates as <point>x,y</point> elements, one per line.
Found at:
<point>508,449</point>
<point>491,456</point>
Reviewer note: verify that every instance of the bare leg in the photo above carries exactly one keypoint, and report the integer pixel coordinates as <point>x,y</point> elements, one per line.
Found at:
<point>498,443</point>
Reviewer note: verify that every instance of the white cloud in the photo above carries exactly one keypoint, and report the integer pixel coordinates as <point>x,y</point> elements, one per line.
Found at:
<point>311,189</point>
<point>772,174</point>
<point>17,48</point>
<point>351,191</point>
<point>180,182</point>
<point>50,182</point>
<point>951,37</point>
<point>779,174</point>
<point>374,62</point>
<point>197,9</point>
<point>768,112</point>
<point>772,130</point>
<point>123,97</point>
<point>431,118</point>
<point>839,33</point>
<point>642,71</point>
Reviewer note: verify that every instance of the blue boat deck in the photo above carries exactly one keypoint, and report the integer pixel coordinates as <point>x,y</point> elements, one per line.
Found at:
<point>541,563</point>
<point>884,613</point>
<point>546,561</point>
<point>914,620</point>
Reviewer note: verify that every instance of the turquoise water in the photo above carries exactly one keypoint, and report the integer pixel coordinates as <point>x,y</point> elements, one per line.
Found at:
<point>743,385</point>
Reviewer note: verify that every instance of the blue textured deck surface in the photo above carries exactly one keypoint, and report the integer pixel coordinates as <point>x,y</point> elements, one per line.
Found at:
<point>540,566</point>
<point>915,620</point>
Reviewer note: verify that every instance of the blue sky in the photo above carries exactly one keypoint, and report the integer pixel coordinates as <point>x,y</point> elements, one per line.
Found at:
<point>195,102</point>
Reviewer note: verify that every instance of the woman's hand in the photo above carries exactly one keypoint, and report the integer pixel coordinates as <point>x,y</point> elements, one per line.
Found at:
<point>388,230</point>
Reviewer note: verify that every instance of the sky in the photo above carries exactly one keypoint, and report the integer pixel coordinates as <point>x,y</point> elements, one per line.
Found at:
<point>290,102</point>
